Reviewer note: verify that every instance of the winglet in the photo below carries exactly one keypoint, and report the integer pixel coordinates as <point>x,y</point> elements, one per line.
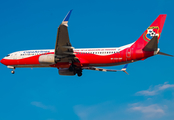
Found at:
<point>65,20</point>
<point>124,69</point>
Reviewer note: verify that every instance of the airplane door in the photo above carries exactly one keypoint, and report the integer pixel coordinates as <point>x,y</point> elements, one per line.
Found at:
<point>128,53</point>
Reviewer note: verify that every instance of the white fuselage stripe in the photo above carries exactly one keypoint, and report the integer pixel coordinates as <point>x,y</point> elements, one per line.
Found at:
<point>98,51</point>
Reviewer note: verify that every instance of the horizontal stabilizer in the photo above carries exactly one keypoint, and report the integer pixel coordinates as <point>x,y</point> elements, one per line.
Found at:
<point>161,53</point>
<point>152,45</point>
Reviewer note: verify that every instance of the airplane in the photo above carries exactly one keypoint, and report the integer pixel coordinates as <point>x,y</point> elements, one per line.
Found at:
<point>71,61</point>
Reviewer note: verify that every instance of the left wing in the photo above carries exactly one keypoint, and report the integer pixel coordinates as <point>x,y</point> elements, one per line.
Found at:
<point>63,48</point>
<point>105,70</point>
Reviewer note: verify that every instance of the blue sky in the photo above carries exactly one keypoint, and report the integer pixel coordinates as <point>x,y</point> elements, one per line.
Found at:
<point>42,94</point>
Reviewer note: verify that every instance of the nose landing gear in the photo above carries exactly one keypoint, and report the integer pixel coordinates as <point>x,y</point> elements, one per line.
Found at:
<point>12,71</point>
<point>12,67</point>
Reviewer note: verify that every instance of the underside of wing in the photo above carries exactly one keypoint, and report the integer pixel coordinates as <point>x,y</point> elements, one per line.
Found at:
<point>63,48</point>
<point>106,70</point>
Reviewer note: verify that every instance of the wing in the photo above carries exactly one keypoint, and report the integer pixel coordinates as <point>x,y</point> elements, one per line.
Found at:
<point>105,70</point>
<point>63,48</point>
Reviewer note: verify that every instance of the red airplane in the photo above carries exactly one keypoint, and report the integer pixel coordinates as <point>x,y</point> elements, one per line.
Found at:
<point>70,61</point>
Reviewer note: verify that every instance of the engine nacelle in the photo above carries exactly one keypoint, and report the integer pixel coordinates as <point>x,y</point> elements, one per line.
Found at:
<point>65,71</point>
<point>47,59</point>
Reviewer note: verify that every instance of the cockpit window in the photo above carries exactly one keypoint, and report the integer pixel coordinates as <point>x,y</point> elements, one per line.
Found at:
<point>7,55</point>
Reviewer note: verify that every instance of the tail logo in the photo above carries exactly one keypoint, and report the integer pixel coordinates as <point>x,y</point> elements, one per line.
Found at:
<point>150,33</point>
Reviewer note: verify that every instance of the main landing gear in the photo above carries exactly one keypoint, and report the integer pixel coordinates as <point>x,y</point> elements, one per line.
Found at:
<point>78,71</point>
<point>72,68</point>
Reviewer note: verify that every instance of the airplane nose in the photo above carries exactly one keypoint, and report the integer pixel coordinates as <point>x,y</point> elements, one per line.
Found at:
<point>2,61</point>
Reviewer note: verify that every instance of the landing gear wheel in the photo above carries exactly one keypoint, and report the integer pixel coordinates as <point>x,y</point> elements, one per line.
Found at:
<point>79,74</point>
<point>12,71</point>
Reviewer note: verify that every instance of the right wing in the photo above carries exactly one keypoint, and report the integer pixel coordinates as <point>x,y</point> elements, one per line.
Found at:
<point>105,70</point>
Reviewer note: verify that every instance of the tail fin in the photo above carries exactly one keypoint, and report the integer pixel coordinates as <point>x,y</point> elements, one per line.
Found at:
<point>154,29</point>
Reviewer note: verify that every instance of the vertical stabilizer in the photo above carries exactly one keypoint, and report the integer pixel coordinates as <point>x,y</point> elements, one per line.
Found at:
<point>154,29</point>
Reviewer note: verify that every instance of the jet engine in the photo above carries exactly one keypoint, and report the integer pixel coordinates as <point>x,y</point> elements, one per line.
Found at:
<point>47,59</point>
<point>65,71</point>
